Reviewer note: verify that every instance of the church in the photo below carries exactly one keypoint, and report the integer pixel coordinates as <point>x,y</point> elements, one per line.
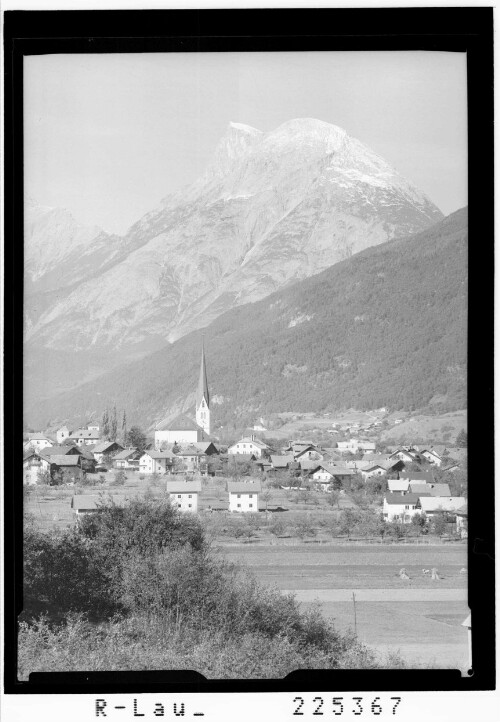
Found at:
<point>183,430</point>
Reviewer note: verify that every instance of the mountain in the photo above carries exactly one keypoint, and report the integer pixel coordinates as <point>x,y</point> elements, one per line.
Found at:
<point>386,327</point>
<point>271,209</point>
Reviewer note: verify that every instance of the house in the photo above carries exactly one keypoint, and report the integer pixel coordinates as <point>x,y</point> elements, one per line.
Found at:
<point>408,455</point>
<point>38,441</point>
<point>93,427</point>
<point>66,468</point>
<point>84,436</point>
<point>281,462</point>
<point>400,507</point>
<point>33,465</point>
<point>328,472</point>
<point>206,447</point>
<point>243,496</point>
<point>61,451</point>
<point>184,494</point>
<point>432,457</point>
<point>156,462</point>
<point>188,458</point>
<point>182,430</point>
<point>432,505</point>
<point>62,434</point>
<point>372,470</point>
<point>106,448</point>
<point>397,486</point>
<point>83,504</point>
<point>127,459</point>
<point>249,445</point>
<point>307,452</point>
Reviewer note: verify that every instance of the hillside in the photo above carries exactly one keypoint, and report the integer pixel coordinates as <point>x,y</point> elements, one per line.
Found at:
<point>386,327</point>
<point>270,210</point>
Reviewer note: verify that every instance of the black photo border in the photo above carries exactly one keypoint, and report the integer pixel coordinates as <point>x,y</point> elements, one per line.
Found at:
<point>464,30</point>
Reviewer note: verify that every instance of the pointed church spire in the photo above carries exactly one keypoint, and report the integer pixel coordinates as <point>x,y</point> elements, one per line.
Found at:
<point>202,383</point>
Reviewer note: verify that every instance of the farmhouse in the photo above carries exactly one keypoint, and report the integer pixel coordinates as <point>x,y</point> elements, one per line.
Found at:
<point>184,494</point>
<point>33,464</point>
<point>328,472</point>
<point>400,507</point>
<point>249,445</point>
<point>281,462</point>
<point>156,462</point>
<point>243,496</point>
<point>66,468</point>
<point>106,448</point>
<point>432,457</point>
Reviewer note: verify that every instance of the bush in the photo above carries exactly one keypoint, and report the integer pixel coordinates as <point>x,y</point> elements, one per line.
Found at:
<point>119,479</point>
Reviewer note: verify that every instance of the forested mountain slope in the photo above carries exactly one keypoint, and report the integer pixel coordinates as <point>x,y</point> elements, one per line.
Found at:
<point>386,327</point>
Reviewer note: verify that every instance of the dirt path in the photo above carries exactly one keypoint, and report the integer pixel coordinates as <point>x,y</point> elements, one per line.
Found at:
<point>379,595</point>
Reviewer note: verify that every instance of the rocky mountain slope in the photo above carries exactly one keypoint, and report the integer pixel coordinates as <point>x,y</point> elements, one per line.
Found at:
<point>386,327</point>
<point>271,209</point>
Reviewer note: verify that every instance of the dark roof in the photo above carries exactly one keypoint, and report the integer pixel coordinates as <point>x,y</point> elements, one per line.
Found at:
<point>243,487</point>
<point>402,498</point>
<point>125,454</point>
<point>158,454</point>
<point>65,460</point>
<point>104,446</point>
<point>180,423</point>
<point>417,476</point>
<point>281,462</point>
<point>61,451</point>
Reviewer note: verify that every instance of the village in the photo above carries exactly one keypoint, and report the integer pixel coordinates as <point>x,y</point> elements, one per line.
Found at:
<point>410,489</point>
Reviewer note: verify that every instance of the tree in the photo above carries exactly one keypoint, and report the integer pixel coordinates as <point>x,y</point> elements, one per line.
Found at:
<point>333,498</point>
<point>105,424</point>
<point>462,439</point>
<point>113,425</point>
<point>136,438</point>
<point>348,520</point>
<point>120,478</point>
<point>266,497</point>
<point>124,426</point>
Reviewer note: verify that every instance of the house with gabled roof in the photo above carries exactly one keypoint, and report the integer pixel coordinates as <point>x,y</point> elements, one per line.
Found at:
<point>425,477</point>
<point>127,459</point>
<point>432,457</point>
<point>398,486</point>
<point>244,496</point>
<point>329,472</point>
<point>184,494</point>
<point>400,507</point>
<point>84,504</point>
<point>37,441</point>
<point>33,465</point>
<point>281,462</point>
<point>85,436</point>
<point>106,448</point>
<point>417,487</point>
<point>249,445</point>
<point>156,462</point>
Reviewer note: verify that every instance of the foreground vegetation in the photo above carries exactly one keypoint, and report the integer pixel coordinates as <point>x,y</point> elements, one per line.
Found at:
<point>140,588</point>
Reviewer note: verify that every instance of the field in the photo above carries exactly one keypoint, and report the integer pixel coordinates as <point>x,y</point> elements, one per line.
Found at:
<point>421,618</point>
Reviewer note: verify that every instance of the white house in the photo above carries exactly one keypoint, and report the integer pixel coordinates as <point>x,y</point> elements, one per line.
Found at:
<point>248,445</point>
<point>62,434</point>
<point>243,496</point>
<point>156,462</point>
<point>400,507</point>
<point>328,472</point>
<point>38,441</point>
<point>84,436</point>
<point>432,457</point>
<point>350,446</point>
<point>184,494</point>
<point>398,486</point>
<point>372,470</point>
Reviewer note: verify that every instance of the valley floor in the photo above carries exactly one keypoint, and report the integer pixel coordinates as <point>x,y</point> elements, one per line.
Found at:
<point>421,619</point>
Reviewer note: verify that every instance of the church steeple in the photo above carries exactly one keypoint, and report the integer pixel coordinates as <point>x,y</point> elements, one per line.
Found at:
<point>203,396</point>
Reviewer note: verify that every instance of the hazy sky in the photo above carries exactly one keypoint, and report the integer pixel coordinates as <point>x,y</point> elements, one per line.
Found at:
<point>108,136</point>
